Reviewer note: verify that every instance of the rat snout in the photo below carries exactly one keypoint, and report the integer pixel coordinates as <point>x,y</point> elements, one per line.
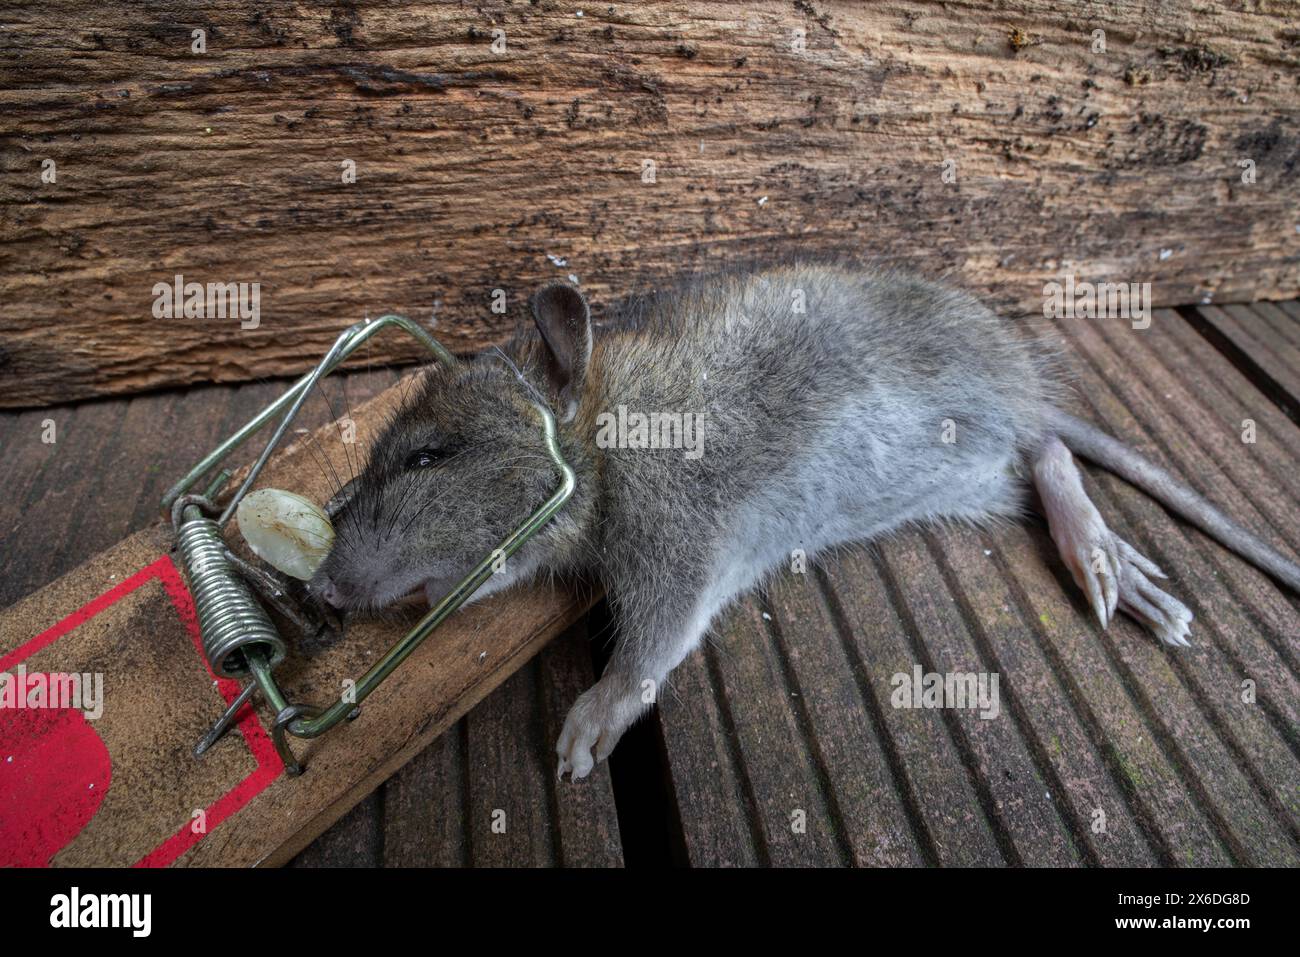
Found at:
<point>350,589</point>
<point>336,592</point>
<point>331,592</point>
<point>353,580</point>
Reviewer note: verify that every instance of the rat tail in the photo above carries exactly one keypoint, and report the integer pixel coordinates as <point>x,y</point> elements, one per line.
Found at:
<point>1085,439</point>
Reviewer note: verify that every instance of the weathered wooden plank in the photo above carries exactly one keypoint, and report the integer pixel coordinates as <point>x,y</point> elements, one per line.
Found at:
<point>424,822</point>
<point>61,489</point>
<point>772,127</point>
<point>1277,318</point>
<point>517,813</point>
<point>793,808</point>
<point>1105,822</point>
<point>1268,348</point>
<point>956,821</point>
<point>353,841</point>
<point>431,807</point>
<point>1012,784</point>
<point>875,809</point>
<point>506,809</point>
<point>1290,309</point>
<point>714,799</point>
<point>1240,406</point>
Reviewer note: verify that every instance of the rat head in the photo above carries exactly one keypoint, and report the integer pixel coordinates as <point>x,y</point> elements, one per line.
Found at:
<point>460,466</point>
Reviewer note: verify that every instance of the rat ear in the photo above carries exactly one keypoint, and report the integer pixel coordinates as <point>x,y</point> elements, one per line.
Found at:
<point>563,319</point>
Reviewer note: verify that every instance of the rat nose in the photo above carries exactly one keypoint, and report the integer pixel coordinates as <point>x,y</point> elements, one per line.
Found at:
<point>331,593</point>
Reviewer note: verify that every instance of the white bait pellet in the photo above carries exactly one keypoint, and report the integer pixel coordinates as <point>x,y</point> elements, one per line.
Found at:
<point>285,530</point>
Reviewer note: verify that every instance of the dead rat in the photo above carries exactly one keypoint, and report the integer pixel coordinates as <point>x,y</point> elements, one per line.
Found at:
<point>718,428</point>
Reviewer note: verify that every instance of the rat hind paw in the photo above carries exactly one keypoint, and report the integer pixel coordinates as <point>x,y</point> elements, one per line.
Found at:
<point>1113,574</point>
<point>1091,553</point>
<point>1162,614</point>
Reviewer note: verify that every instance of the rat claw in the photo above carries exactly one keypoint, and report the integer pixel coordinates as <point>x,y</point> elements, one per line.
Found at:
<point>1100,584</point>
<point>1097,600</point>
<point>1111,581</point>
<point>1165,616</point>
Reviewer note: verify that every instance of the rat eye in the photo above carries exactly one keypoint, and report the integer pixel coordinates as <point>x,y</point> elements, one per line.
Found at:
<point>425,458</point>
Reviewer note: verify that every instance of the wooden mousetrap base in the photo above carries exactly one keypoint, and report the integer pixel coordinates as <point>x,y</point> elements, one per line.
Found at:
<point>124,789</point>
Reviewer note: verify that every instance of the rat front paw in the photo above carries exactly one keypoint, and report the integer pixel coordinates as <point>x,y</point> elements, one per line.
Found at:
<point>594,726</point>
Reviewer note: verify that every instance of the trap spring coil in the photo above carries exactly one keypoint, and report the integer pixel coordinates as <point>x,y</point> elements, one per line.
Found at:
<point>230,618</point>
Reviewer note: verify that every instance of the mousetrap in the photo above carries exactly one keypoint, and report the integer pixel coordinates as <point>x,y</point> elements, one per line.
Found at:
<point>231,594</point>
<point>123,788</point>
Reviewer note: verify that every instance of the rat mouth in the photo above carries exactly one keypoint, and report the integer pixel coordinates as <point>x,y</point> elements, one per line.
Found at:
<point>411,597</point>
<point>401,594</point>
<point>425,591</point>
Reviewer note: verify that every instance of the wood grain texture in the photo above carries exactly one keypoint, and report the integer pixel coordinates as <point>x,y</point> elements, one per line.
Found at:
<point>495,764</point>
<point>1262,339</point>
<point>774,128</point>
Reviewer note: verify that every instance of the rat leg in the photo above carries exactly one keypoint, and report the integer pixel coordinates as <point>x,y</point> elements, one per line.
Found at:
<point>1110,571</point>
<point>654,642</point>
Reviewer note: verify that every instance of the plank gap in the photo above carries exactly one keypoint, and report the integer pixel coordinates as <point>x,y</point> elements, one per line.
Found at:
<point>1269,386</point>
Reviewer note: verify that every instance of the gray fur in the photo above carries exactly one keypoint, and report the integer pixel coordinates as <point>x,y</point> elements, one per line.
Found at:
<point>821,427</point>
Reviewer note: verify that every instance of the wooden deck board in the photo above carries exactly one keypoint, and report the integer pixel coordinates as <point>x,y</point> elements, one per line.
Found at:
<point>858,768</point>
<point>1013,787</point>
<point>1070,750</point>
<point>711,786</point>
<point>785,775</point>
<point>951,805</point>
<point>1264,339</point>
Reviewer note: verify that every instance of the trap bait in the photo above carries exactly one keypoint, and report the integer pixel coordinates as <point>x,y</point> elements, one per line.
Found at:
<point>240,639</point>
<point>288,532</point>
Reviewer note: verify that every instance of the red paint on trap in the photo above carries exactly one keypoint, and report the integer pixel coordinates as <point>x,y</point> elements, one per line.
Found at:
<point>54,772</point>
<point>61,769</point>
